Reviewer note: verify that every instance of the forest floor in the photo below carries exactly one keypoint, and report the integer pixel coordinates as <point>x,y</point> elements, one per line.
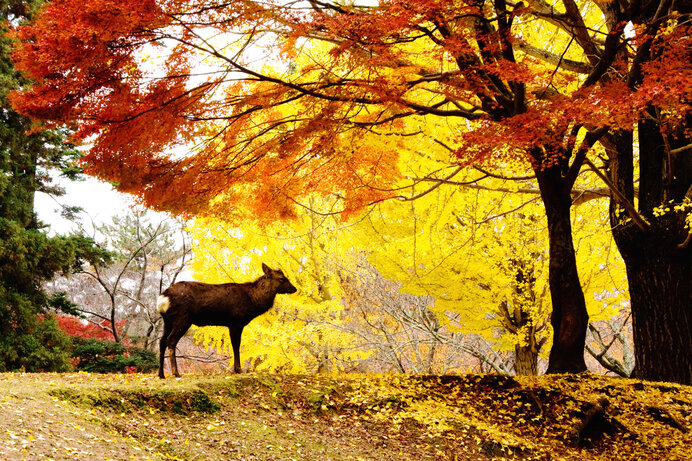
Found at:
<point>81,416</point>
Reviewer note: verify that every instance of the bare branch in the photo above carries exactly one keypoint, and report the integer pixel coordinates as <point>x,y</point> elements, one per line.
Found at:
<point>620,197</point>
<point>554,59</point>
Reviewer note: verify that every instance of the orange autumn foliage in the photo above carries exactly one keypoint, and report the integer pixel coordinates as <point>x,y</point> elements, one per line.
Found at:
<point>159,132</point>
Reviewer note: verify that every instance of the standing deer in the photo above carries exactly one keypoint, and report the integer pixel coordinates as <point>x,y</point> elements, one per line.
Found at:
<point>232,305</point>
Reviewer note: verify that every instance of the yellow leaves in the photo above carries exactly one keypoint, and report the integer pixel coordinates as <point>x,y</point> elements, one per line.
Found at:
<point>302,332</point>
<point>371,416</point>
<point>434,246</point>
<point>672,206</point>
<point>485,267</point>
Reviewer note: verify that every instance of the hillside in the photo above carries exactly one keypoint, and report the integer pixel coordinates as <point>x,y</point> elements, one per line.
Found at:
<point>342,417</point>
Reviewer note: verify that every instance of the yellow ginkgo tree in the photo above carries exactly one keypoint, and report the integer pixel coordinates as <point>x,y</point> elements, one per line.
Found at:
<point>486,269</point>
<point>476,244</point>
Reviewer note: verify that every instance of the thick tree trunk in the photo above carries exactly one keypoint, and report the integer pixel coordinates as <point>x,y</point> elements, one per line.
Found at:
<point>660,284</point>
<point>659,266</point>
<point>569,317</point>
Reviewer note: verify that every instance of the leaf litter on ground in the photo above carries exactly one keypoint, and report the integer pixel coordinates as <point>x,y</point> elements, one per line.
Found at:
<point>342,417</point>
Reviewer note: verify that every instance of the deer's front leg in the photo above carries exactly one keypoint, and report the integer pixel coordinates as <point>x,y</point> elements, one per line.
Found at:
<point>236,332</point>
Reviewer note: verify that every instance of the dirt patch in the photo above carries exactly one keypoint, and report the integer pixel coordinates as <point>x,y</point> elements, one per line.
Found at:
<point>117,417</point>
<point>34,426</point>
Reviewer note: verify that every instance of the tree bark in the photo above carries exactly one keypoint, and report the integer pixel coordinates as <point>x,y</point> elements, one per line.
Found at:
<point>519,320</point>
<point>569,318</point>
<point>526,360</point>
<point>660,284</point>
<point>658,264</point>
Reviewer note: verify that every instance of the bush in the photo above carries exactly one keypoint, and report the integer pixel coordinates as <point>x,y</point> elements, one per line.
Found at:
<point>45,349</point>
<point>100,356</point>
<point>78,327</point>
<point>53,353</point>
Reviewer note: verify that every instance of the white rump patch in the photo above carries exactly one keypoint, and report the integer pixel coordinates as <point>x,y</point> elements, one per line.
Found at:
<point>163,303</point>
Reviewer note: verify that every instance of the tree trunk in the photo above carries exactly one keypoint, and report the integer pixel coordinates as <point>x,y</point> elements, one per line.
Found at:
<point>659,267</point>
<point>660,284</point>
<point>526,360</point>
<point>569,317</point>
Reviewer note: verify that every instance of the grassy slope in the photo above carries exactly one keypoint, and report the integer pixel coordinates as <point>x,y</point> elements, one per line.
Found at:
<point>379,417</point>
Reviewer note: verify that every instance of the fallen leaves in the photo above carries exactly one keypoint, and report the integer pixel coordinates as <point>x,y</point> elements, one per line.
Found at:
<point>384,417</point>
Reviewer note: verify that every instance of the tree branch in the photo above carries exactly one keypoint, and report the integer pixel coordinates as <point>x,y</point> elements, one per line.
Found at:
<point>554,59</point>
<point>620,198</point>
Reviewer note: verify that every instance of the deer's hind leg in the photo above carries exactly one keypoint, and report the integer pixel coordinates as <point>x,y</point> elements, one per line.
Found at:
<point>172,341</point>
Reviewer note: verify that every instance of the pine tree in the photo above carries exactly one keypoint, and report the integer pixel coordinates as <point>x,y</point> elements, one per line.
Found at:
<point>28,256</point>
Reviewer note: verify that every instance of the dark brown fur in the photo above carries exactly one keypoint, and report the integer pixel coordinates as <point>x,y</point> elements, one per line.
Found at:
<point>232,305</point>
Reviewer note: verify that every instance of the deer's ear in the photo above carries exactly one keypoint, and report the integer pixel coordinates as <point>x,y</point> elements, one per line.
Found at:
<point>266,269</point>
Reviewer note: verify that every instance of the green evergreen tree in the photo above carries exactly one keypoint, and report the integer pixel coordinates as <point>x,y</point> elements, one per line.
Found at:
<point>28,339</point>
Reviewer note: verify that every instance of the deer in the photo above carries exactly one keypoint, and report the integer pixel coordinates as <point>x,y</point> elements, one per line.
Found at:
<point>232,305</point>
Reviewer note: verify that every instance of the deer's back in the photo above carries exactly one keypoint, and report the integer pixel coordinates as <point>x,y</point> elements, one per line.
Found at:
<point>209,304</point>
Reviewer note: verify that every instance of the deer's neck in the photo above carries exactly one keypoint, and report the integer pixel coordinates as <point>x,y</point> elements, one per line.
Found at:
<point>261,294</point>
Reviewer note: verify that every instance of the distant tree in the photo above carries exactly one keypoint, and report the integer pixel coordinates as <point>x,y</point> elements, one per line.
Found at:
<point>28,257</point>
<point>149,253</point>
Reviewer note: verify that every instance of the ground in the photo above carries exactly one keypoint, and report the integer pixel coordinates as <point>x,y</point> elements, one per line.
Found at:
<point>82,416</point>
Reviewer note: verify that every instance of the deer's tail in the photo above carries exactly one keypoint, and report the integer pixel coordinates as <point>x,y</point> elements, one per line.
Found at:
<point>163,303</point>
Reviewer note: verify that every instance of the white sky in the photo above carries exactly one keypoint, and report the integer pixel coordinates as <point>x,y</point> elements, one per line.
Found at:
<point>100,203</point>
<point>98,199</point>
